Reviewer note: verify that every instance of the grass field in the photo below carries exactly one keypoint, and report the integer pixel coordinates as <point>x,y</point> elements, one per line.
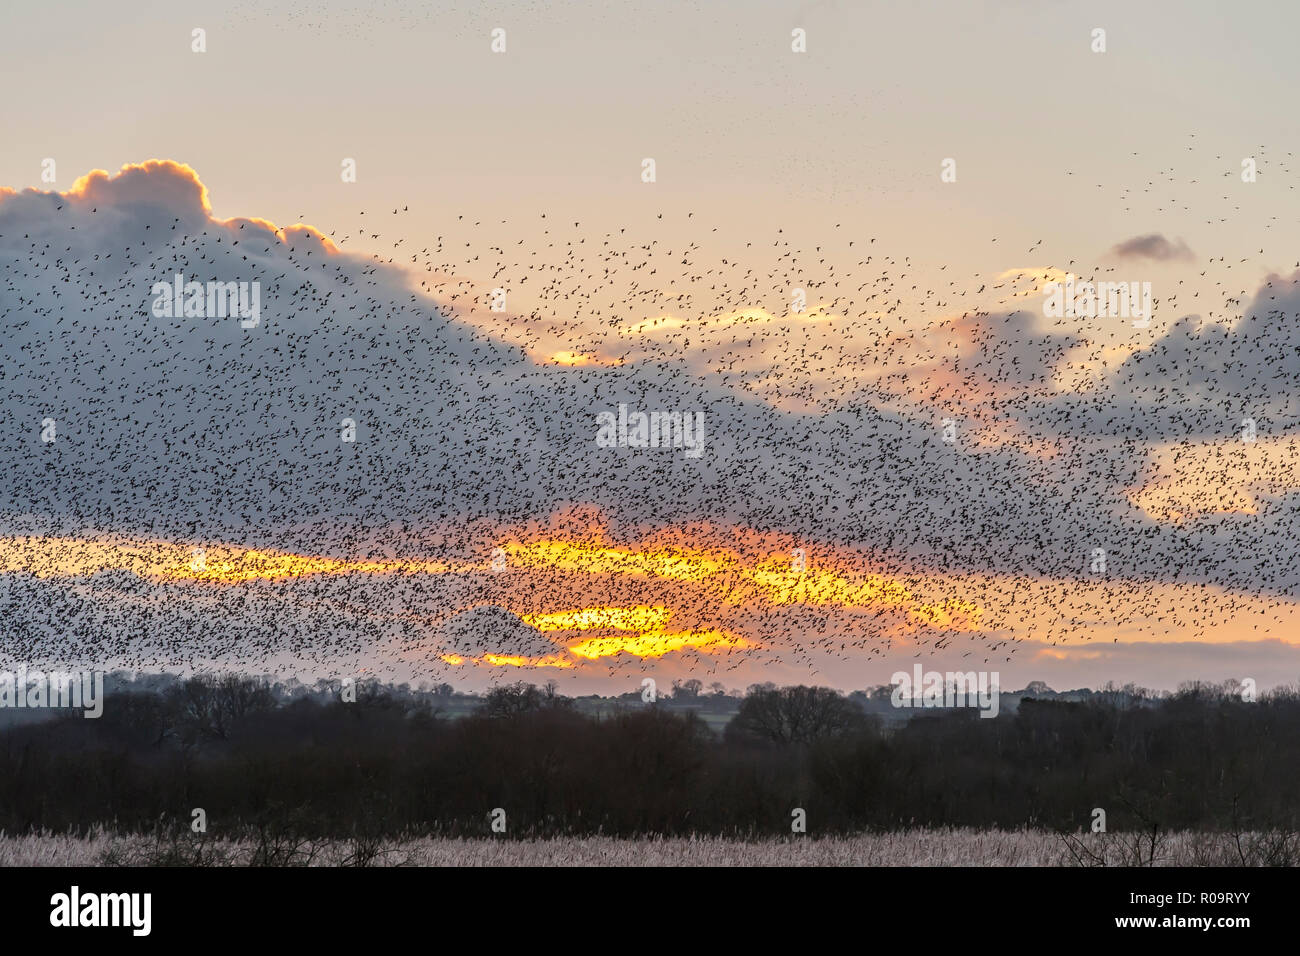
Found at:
<point>904,848</point>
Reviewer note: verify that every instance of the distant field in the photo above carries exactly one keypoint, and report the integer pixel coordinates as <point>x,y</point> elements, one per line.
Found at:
<point>908,848</point>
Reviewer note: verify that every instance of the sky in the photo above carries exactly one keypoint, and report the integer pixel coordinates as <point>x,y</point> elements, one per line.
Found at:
<point>921,463</point>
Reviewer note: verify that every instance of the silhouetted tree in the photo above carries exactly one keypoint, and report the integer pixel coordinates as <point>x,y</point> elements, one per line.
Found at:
<point>795,715</point>
<point>687,690</point>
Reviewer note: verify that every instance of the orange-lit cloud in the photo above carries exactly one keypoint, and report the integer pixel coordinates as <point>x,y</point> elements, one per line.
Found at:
<point>574,358</point>
<point>214,564</point>
<point>179,185</point>
<point>681,591</point>
<point>507,660</point>
<point>783,580</point>
<point>641,618</point>
<point>153,179</point>
<point>651,637</point>
<point>659,643</point>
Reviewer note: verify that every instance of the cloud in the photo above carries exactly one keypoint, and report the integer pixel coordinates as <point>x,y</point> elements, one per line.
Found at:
<point>1154,248</point>
<point>489,629</point>
<point>157,182</point>
<point>195,429</point>
<point>1199,379</point>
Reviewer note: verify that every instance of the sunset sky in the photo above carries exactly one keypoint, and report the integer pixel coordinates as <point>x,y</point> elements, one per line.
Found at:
<point>198,508</point>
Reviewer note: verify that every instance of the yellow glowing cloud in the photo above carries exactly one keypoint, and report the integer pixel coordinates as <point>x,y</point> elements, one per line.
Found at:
<point>230,567</point>
<point>641,618</point>
<point>217,564</point>
<point>670,563</point>
<point>651,639</point>
<point>776,581</point>
<point>573,358</point>
<point>657,644</point>
<point>506,660</point>
<point>720,580</point>
<point>783,584</point>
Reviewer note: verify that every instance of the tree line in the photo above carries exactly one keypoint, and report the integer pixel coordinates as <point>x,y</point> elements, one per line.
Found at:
<point>390,762</point>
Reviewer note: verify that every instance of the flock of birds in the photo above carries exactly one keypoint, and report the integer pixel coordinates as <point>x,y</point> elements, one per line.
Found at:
<point>472,429</point>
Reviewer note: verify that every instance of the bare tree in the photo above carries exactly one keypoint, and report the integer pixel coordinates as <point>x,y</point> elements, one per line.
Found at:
<point>795,715</point>
<point>687,690</point>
